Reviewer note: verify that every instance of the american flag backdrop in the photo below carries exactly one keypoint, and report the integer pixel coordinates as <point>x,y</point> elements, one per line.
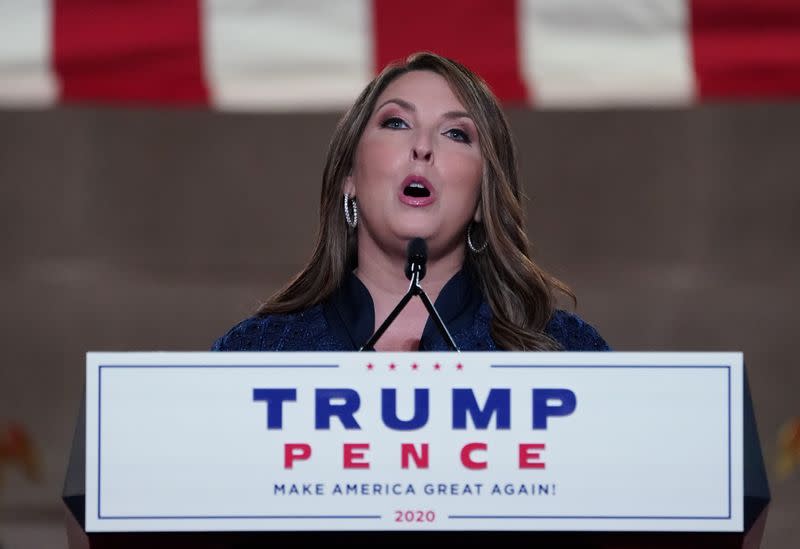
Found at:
<point>317,54</point>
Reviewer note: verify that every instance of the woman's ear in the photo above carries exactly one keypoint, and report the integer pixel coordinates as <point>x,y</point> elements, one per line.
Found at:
<point>478,217</point>
<point>349,187</point>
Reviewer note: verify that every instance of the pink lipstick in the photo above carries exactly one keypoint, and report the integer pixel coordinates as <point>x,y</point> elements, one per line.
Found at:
<point>417,191</point>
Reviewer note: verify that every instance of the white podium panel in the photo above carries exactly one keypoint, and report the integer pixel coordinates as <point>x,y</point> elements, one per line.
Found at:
<point>402,441</point>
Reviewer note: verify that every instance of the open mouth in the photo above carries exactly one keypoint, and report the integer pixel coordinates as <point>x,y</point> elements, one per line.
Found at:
<point>416,190</point>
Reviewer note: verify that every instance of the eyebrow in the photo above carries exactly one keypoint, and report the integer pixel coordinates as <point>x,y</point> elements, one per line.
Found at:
<point>410,107</point>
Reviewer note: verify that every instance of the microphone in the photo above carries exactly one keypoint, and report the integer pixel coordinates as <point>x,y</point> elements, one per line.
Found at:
<point>417,257</point>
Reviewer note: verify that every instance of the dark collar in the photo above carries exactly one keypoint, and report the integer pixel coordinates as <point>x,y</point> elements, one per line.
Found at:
<point>350,311</point>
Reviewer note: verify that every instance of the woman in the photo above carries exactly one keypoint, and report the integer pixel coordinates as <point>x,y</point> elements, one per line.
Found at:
<point>425,151</point>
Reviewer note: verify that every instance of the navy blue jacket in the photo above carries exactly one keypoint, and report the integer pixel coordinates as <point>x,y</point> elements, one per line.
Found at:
<point>345,322</point>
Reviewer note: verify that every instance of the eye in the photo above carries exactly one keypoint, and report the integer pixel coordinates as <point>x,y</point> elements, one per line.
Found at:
<point>394,123</point>
<point>458,135</point>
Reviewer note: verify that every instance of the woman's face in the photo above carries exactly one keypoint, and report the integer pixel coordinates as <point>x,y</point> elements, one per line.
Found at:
<point>417,168</point>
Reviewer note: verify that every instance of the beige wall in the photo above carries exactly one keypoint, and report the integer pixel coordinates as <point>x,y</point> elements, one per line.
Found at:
<point>143,229</point>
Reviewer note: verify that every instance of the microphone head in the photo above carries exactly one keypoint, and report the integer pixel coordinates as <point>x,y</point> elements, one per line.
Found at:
<point>417,257</point>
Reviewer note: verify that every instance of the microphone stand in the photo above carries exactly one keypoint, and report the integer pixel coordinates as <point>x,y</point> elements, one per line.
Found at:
<point>413,289</point>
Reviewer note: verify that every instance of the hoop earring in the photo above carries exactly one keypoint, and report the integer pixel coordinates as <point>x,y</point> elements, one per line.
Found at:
<point>470,243</point>
<point>351,219</point>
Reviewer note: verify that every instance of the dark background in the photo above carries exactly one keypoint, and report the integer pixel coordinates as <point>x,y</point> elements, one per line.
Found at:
<point>157,230</point>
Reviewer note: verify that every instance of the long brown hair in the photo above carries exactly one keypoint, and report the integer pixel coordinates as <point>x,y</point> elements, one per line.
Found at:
<point>520,294</point>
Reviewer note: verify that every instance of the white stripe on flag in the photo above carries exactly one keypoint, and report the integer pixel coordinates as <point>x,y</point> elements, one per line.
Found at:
<point>606,52</point>
<point>291,54</point>
<point>26,77</point>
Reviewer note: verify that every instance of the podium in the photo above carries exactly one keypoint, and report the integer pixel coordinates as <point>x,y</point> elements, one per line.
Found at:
<point>577,391</point>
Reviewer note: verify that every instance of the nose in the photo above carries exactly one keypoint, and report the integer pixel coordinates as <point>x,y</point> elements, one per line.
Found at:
<point>421,153</point>
<point>422,150</point>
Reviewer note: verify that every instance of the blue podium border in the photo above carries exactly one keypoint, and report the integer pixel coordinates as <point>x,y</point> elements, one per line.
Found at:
<point>100,516</point>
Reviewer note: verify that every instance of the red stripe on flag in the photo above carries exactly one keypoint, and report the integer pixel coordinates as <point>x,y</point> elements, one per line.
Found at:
<point>129,51</point>
<point>746,48</point>
<point>481,34</point>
